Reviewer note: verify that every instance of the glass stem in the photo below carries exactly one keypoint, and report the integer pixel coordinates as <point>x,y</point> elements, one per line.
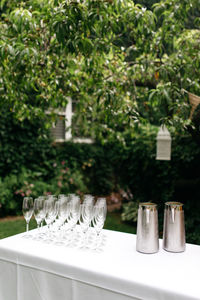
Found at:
<point>27,227</point>
<point>41,226</point>
<point>49,231</point>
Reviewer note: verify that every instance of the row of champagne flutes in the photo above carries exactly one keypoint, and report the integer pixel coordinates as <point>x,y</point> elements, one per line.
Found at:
<point>61,215</point>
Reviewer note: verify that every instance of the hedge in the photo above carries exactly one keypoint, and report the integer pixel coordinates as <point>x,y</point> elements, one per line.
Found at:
<point>31,164</point>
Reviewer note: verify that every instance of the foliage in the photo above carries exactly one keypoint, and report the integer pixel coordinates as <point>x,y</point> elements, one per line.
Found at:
<point>147,3</point>
<point>8,203</point>
<point>95,163</point>
<point>24,144</point>
<point>126,67</point>
<point>130,211</point>
<point>13,188</point>
<point>101,169</point>
<point>121,62</point>
<point>68,180</point>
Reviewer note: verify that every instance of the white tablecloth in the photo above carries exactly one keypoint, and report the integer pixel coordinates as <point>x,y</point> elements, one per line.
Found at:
<point>32,270</point>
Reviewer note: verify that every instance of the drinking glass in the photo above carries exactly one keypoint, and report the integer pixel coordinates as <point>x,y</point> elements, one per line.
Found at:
<point>43,198</point>
<point>85,218</point>
<point>102,202</point>
<point>98,218</point>
<point>39,210</point>
<point>88,199</point>
<point>27,209</point>
<point>60,196</point>
<point>73,208</point>
<point>55,212</point>
<point>51,197</point>
<point>49,212</point>
<point>71,196</point>
<point>62,216</point>
<point>62,210</point>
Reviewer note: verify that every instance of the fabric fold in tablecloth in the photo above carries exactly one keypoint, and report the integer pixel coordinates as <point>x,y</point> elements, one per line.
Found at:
<point>118,269</point>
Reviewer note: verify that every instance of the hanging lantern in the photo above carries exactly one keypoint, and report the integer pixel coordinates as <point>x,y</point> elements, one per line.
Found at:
<point>163,144</point>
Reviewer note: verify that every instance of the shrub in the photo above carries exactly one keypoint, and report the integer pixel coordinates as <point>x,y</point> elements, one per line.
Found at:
<point>24,144</point>
<point>13,188</point>
<point>30,164</point>
<point>94,163</point>
<point>130,211</point>
<point>8,203</point>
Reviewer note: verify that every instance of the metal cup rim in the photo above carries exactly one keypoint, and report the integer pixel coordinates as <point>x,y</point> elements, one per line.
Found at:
<point>147,205</point>
<point>173,203</point>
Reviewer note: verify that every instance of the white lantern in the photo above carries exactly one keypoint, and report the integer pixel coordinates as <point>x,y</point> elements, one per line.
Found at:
<point>163,144</point>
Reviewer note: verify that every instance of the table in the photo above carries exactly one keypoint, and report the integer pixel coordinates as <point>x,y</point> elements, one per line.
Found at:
<point>34,270</point>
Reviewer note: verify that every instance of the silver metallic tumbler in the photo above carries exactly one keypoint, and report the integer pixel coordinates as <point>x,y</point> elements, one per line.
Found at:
<point>147,228</point>
<point>174,227</point>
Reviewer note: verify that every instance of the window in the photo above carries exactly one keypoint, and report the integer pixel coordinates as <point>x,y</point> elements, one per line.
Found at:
<point>61,130</point>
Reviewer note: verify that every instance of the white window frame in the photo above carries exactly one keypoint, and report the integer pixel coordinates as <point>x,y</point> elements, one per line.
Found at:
<point>68,115</point>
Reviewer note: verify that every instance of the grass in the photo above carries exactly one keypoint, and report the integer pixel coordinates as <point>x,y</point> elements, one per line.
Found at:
<point>12,226</point>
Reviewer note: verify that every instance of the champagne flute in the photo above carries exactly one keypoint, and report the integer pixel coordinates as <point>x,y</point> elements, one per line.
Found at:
<point>88,199</point>
<point>49,214</point>
<point>54,216</point>
<point>73,209</point>
<point>39,210</point>
<point>85,217</point>
<point>98,220</point>
<point>27,209</point>
<point>62,216</point>
<point>102,202</point>
<point>43,198</point>
<point>62,211</point>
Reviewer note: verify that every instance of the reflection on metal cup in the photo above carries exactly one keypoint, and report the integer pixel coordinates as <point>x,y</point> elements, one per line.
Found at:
<point>174,227</point>
<point>147,228</point>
